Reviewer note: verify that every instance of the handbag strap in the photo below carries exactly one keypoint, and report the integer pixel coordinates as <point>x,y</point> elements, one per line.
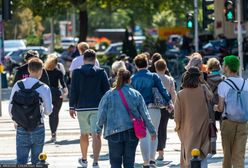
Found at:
<point>125,104</point>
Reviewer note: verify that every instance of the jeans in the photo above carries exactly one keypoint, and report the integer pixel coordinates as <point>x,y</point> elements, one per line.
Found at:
<point>29,141</point>
<point>54,117</point>
<point>122,148</point>
<point>147,146</point>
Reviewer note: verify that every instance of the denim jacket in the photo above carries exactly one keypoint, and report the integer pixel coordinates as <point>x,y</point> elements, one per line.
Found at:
<point>144,81</point>
<point>113,115</point>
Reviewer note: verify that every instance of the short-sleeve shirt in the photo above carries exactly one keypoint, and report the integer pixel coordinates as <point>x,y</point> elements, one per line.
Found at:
<point>223,88</point>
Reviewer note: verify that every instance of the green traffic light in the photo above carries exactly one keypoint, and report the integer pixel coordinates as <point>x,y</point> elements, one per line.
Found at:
<point>190,24</point>
<point>230,15</point>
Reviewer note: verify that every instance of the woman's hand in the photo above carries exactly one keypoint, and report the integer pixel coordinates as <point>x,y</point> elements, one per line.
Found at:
<point>65,93</point>
<point>153,137</point>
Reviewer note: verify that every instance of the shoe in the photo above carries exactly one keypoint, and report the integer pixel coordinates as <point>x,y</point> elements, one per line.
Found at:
<point>160,158</point>
<point>153,164</point>
<point>53,138</point>
<point>145,166</point>
<point>83,163</point>
<point>95,165</point>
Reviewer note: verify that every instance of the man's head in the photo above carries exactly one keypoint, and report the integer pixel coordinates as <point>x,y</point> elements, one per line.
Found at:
<point>35,67</point>
<point>31,54</point>
<point>231,64</point>
<point>89,56</point>
<point>141,61</point>
<point>82,47</point>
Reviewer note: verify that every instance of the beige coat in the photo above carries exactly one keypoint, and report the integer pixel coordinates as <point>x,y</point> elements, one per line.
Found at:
<point>192,122</point>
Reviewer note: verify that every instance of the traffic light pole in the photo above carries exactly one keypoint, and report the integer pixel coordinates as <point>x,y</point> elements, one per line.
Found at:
<point>240,38</point>
<point>196,25</point>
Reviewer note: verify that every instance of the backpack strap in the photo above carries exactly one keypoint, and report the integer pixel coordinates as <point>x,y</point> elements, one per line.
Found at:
<point>36,85</point>
<point>21,85</point>
<point>233,84</point>
<point>242,85</point>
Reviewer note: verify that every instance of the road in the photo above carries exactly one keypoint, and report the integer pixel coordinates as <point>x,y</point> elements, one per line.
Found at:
<point>65,153</point>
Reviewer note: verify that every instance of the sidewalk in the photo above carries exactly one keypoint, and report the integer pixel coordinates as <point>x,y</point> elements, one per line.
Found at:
<point>65,153</point>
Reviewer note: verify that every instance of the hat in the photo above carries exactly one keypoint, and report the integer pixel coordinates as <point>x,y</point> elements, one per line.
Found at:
<point>30,54</point>
<point>123,56</point>
<point>195,61</point>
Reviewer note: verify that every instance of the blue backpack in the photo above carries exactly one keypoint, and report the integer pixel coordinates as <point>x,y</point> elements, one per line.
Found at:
<point>236,103</point>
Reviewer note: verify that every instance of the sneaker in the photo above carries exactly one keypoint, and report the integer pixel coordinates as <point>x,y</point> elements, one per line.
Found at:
<point>53,138</point>
<point>160,158</point>
<point>95,165</point>
<point>153,164</point>
<point>145,166</point>
<point>83,163</point>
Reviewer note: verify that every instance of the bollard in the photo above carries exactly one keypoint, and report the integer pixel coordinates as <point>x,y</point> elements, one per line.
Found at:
<point>42,161</point>
<point>195,161</point>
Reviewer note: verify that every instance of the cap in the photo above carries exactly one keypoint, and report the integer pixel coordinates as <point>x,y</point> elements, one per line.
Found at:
<point>31,54</point>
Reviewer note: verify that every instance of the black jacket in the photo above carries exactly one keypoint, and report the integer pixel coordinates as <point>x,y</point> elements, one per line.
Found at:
<point>22,73</point>
<point>88,85</point>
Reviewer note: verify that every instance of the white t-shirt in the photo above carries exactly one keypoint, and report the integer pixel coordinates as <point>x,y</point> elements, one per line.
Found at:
<point>78,62</point>
<point>223,87</point>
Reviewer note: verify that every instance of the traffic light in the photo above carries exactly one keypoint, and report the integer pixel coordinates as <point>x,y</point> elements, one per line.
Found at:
<point>207,11</point>
<point>7,9</point>
<point>190,20</point>
<point>230,10</point>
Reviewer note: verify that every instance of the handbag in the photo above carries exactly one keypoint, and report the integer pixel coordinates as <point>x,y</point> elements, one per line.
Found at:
<point>158,99</point>
<point>138,123</point>
<point>212,127</point>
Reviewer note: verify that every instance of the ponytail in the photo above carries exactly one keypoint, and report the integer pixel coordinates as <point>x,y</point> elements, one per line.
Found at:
<point>123,77</point>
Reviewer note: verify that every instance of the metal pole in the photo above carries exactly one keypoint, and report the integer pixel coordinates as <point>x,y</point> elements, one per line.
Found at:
<point>1,58</point>
<point>73,24</point>
<point>240,38</point>
<point>196,25</point>
<point>52,33</point>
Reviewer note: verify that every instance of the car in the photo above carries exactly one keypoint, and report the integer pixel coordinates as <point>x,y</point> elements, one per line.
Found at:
<point>13,45</point>
<point>67,41</point>
<point>115,49</point>
<point>16,58</point>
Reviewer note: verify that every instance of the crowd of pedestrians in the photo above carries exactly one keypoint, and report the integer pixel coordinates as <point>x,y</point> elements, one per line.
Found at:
<point>142,92</point>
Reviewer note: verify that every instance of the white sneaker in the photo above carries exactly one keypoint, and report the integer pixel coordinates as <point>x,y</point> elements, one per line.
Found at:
<point>83,163</point>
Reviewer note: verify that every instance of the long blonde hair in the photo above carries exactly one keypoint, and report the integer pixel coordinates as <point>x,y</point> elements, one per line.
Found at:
<point>51,62</point>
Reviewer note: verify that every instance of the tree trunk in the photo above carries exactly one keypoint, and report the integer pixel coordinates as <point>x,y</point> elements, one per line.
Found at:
<point>83,28</point>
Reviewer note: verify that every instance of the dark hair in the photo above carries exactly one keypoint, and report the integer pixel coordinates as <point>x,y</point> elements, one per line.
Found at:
<point>141,61</point>
<point>35,65</point>
<point>90,55</point>
<point>31,54</point>
<point>191,78</point>
<point>155,58</point>
<point>123,77</point>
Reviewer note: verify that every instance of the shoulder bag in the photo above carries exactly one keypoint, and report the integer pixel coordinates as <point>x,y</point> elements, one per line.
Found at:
<point>138,123</point>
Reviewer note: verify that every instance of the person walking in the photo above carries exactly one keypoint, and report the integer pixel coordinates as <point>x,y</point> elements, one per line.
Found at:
<point>56,79</point>
<point>233,132</point>
<point>192,117</point>
<point>169,84</point>
<point>118,126</point>
<point>26,96</point>
<point>23,72</point>
<point>144,81</point>
<point>89,84</point>
<point>79,60</point>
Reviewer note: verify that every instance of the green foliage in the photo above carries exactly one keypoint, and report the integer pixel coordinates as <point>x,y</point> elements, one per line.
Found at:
<point>103,59</point>
<point>34,40</point>
<point>164,19</point>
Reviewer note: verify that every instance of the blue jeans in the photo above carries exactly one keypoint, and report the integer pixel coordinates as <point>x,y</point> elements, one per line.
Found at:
<point>29,141</point>
<point>122,148</point>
